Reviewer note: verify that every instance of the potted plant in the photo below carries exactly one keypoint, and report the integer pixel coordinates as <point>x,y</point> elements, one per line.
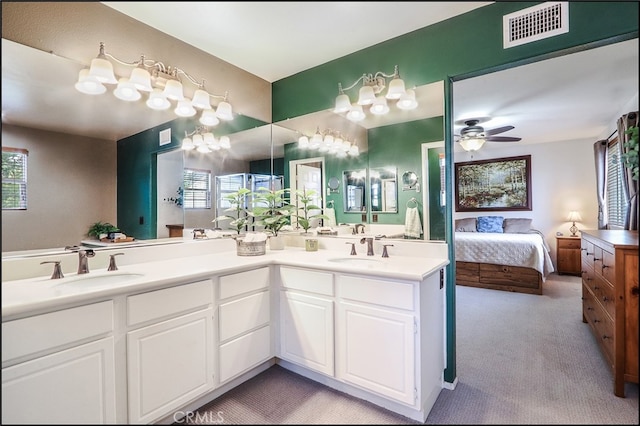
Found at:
<point>100,230</point>
<point>305,199</point>
<point>273,211</point>
<point>239,215</point>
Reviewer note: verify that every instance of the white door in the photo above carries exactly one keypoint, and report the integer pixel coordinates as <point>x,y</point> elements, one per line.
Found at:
<point>376,350</point>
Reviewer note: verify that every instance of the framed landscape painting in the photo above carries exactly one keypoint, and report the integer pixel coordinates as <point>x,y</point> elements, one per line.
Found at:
<point>499,184</point>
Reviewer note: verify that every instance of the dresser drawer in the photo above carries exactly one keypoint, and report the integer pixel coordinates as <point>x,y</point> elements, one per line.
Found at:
<point>168,302</point>
<point>306,280</point>
<point>508,275</point>
<point>46,332</point>
<point>566,243</point>
<point>608,267</point>
<point>379,292</point>
<point>600,323</point>
<point>587,252</point>
<point>243,282</point>
<point>244,314</point>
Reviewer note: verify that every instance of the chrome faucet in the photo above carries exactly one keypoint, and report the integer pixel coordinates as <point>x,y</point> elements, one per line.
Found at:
<point>369,242</point>
<point>355,228</point>
<point>83,258</point>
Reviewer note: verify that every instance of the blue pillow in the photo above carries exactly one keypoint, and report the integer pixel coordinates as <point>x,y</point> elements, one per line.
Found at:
<point>490,224</point>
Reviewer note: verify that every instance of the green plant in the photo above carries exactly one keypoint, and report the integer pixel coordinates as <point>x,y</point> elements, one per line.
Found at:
<point>238,206</point>
<point>630,158</point>
<point>99,228</point>
<point>178,199</point>
<point>272,209</point>
<point>305,199</point>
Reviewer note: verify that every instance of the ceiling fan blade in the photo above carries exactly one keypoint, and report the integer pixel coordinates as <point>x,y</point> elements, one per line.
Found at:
<point>498,130</point>
<point>502,139</point>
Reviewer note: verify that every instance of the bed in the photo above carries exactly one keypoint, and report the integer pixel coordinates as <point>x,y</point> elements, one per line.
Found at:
<point>512,261</point>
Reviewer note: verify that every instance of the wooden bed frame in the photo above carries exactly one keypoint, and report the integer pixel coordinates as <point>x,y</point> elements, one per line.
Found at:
<point>499,277</point>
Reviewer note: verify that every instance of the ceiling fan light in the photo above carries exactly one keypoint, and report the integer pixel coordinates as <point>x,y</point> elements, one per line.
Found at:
<point>173,90</point>
<point>141,79</point>
<point>201,99</point>
<point>184,109</point>
<point>343,104</point>
<point>157,100</point>
<point>366,96</point>
<point>126,91</point>
<point>408,100</point>
<point>224,112</point>
<point>102,70</point>
<point>356,113</point>
<point>89,85</point>
<point>396,88</point>
<point>208,118</point>
<point>379,106</point>
<point>472,144</point>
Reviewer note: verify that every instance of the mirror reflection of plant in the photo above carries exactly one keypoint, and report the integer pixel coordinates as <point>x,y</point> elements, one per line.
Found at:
<point>178,199</point>
<point>100,228</point>
<point>238,205</point>
<point>630,158</point>
<point>305,199</point>
<point>272,209</point>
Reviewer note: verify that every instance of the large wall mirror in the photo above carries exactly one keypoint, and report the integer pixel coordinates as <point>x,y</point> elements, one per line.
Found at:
<point>355,192</point>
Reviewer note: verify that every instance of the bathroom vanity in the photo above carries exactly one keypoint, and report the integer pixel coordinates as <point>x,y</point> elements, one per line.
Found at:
<point>176,326</point>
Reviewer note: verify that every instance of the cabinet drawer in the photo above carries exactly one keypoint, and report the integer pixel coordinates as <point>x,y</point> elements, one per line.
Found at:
<point>243,314</point>
<point>306,280</point>
<point>48,331</point>
<point>243,282</point>
<point>245,352</point>
<point>509,275</point>
<point>569,244</point>
<point>600,323</point>
<point>608,267</point>
<point>379,292</point>
<point>168,302</point>
<point>587,252</point>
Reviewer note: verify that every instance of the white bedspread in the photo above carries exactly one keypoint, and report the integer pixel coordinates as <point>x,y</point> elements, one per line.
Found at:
<point>525,250</point>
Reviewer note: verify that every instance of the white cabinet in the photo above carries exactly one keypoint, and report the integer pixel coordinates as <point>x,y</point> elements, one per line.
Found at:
<point>169,361</point>
<point>307,319</point>
<point>244,317</point>
<point>59,367</point>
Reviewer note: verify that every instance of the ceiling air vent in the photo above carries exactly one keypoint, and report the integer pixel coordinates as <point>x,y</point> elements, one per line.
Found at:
<point>535,23</point>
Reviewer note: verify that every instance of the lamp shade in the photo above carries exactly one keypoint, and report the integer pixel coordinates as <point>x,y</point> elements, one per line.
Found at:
<point>343,104</point>
<point>356,113</point>
<point>303,142</point>
<point>367,96</point>
<point>126,91</point>
<point>102,70</point>
<point>201,99</point>
<point>408,100</point>
<point>141,79</point>
<point>472,144</point>
<point>574,216</point>
<point>225,142</point>
<point>223,112</point>
<point>173,90</point>
<point>89,85</point>
<point>396,89</point>
<point>208,118</point>
<point>187,144</point>
<point>184,109</point>
<point>379,106</point>
<point>157,100</point>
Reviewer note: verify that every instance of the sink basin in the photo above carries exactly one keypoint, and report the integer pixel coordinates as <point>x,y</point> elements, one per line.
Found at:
<point>102,279</point>
<point>357,261</point>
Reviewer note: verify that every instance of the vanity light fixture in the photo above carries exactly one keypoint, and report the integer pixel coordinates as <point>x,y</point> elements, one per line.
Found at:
<point>204,141</point>
<point>329,141</point>
<point>162,83</point>
<point>372,85</point>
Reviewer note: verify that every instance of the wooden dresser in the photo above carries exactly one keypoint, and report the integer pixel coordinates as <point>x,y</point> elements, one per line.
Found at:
<point>610,299</point>
<point>568,255</point>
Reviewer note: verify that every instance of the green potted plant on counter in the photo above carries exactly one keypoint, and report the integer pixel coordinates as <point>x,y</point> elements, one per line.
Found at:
<point>305,198</point>
<point>238,213</point>
<point>100,230</point>
<point>273,211</point>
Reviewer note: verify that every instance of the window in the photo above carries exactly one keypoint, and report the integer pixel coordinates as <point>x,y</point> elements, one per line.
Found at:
<point>197,189</point>
<point>616,198</point>
<point>14,179</point>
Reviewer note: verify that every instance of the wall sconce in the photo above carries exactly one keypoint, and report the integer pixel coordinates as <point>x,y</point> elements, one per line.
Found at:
<point>372,85</point>
<point>574,217</point>
<point>329,141</point>
<point>203,141</point>
<point>163,83</point>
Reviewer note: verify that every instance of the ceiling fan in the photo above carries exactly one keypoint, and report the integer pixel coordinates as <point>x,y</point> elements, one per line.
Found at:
<point>473,136</point>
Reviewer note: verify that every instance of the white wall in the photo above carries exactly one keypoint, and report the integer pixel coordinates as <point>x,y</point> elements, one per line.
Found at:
<point>170,177</point>
<point>563,179</point>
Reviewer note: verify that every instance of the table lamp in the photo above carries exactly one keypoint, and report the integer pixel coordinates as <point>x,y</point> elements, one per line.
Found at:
<point>573,217</point>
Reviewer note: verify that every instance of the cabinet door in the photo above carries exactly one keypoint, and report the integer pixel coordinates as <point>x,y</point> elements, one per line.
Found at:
<point>169,364</point>
<point>76,385</point>
<point>306,331</point>
<point>376,350</point>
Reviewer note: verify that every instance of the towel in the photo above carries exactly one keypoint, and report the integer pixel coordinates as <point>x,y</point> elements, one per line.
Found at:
<point>330,212</point>
<point>412,225</point>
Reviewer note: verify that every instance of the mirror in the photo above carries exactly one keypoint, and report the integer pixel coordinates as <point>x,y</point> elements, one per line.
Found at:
<point>383,190</point>
<point>333,184</point>
<point>409,181</point>
<point>354,191</point>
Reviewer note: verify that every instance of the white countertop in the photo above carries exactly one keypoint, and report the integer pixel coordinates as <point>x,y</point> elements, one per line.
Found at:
<point>40,294</point>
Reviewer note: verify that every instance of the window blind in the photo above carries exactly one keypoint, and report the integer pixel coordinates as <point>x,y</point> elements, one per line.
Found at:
<point>14,179</point>
<point>616,199</point>
<point>197,189</point>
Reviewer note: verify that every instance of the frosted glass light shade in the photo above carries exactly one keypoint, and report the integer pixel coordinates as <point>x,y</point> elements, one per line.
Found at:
<point>209,139</point>
<point>366,95</point>
<point>187,144</point>
<point>343,104</point>
<point>408,100</point>
<point>201,99</point>
<point>396,88</point>
<point>204,148</point>
<point>126,91</point>
<point>184,109</point>
<point>356,113</point>
<point>102,70</point>
<point>208,118</point>
<point>173,90</point>
<point>224,112</point>
<point>379,106</point>
<point>141,79</point>
<point>198,139</point>
<point>472,144</point>
<point>225,142</point>
<point>354,151</point>
<point>89,85</point>
<point>303,142</point>
<point>157,100</point>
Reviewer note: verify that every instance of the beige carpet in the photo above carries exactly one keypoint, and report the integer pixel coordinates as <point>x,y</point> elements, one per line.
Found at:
<point>521,359</point>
